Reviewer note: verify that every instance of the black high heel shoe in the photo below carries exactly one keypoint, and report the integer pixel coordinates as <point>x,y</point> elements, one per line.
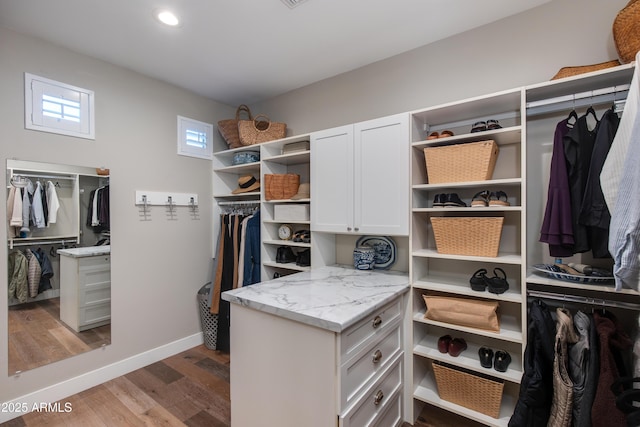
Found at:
<point>497,284</point>
<point>478,281</point>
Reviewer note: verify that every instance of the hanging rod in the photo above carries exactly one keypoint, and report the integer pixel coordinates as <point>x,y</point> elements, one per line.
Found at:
<point>582,99</point>
<point>45,176</point>
<point>13,243</point>
<point>584,300</point>
<point>239,203</point>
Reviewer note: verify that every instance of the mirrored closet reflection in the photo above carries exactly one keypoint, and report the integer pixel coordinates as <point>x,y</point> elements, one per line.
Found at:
<point>59,268</point>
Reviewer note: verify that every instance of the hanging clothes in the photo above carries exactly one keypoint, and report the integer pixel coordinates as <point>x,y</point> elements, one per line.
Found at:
<point>46,270</point>
<point>557,228</point>
<point>14,211</point>
<point>594,214</point>
<point>53,202</point>
<point>612,341</point>
<point>37,208</point>
<point>27,195</point>
<point>34,273</point>
<point>98,215</point>
<point>578,148</point>
<point>252,261</point>
<point>536,387</point>
<point>562,404</point>
<point>18,267</point>
<point>584,368</point>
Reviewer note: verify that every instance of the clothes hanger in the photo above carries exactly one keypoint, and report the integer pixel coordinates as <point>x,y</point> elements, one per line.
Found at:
<point>572,115</point>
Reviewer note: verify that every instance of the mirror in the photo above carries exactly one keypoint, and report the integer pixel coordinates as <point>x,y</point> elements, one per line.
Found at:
<point>59,268</point>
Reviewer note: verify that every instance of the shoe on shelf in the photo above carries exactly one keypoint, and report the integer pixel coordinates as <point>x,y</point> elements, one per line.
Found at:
<point>443,343</point>
<point>457,346</point>
<point>285,255</point>
<point>498,283</point>
<point>493,124</point>
<point>479,280</point>
<point>304,258</point>
<point>299,235</point>
<point>486,357</point>
<point>453,201</point>
<point>445,134</point>
<point>498,198</point>
<point>501,361</point>
<point>480,126</point>
<point>480,199</point>
<point>433,135</point>
<point>439,199</point>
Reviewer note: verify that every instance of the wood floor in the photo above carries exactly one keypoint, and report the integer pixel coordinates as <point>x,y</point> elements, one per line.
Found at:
<point>188,389</point>
<point>38,337</point>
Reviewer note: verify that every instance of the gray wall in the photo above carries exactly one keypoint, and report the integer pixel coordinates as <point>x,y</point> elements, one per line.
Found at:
<point>523,49</point>
<point>157,265</point>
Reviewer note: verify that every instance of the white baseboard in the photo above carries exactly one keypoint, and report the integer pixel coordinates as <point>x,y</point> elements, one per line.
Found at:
<point>87,380</point>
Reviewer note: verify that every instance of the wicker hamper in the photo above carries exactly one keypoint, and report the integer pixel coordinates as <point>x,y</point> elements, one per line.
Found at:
<point>469,390</point>
<point>473,236</point>
<point>472,161</point>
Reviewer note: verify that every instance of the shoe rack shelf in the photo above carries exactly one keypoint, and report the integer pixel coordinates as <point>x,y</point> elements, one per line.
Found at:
<point>445,274</point>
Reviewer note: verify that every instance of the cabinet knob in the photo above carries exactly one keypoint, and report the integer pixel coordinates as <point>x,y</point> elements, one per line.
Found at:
<point>377,321</point>
<point>377,356</point>
<point>356,229</point>
<point>348,228</point>
<point>378,397</point>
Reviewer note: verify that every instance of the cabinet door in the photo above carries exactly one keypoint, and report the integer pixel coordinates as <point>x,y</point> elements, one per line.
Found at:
<point>332,180</point>
<point>381,168</point>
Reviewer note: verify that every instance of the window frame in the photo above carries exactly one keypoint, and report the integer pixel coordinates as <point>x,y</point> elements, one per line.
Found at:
<point>185,125</point>
<point>36,87</point>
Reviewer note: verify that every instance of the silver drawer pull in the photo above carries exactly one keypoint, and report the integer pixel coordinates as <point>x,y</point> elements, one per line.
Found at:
<point>377,356</point>
<point>377,321</point>
<point>378,398</point>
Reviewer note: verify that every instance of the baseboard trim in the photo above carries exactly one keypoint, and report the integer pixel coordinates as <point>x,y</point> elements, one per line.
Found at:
<point>93,378</point>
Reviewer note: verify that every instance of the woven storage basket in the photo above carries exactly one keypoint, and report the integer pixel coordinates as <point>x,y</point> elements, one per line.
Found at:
<point>281,186</point>
<point>469,390</point>
<point>260,130</point>
<point>574,71</point>
<point>473,161</point>
<point>473,236</point>
<point>626,31</point>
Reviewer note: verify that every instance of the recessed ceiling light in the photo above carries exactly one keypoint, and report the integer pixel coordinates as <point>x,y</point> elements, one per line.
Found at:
<point>167,17</point>
<point>293,3</point>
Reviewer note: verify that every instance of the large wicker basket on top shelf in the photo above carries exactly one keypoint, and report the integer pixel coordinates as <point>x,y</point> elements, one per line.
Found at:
<point>472,161</point>
<point>471,236</point>
<point>469,390</point>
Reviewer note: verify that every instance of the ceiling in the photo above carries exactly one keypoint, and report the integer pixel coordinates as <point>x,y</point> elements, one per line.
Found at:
<point>245,51</point>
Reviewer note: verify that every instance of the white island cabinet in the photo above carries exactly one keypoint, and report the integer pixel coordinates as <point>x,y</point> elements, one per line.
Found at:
<point>318,348</point>
<point>85,287</point>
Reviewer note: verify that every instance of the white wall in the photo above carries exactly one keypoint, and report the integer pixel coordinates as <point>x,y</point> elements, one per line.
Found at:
<point>157,265</point>
<point>520,50</point>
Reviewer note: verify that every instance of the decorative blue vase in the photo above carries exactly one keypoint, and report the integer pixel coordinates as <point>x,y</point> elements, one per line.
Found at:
<point>364,257</point>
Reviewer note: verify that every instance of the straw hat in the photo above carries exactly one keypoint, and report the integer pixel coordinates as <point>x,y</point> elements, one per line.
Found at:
<point>304,192</point>
<point>246,183</point>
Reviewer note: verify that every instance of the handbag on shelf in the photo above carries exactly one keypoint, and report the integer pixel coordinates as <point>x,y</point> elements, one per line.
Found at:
<point>281,186</point>
<point>468,312</point>
<point>229,128</point>
<point>257,131</point>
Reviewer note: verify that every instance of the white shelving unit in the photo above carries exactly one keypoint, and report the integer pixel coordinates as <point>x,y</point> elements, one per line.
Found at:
<point>443,274</point>
<point>275,162</point>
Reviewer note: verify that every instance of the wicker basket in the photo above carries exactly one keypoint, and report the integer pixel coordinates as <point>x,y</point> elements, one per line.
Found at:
<point>469,390</point>
<point>574,71</point>
<point>473,236</point>
<point>473,161</point>
<point>626,31</point>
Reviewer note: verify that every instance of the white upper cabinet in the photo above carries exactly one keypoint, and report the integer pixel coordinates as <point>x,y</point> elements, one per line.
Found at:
<point>360,177</point>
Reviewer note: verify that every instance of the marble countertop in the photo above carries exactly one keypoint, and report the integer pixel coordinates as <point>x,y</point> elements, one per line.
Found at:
<point>86,251</point>
<point>332,298</point>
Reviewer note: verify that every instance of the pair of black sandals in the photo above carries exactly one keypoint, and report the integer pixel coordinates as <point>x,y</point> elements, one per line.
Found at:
<point>303,236</point>
<point>497,284</point>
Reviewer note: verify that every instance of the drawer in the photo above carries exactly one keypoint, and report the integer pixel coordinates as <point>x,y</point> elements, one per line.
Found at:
<point>93,293</point>
<point>373,405</point>
<point>356,337</point>
<point>93,261</point>
<point>358,373</point>
<point>392,416</point>
<point>94,314</point>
